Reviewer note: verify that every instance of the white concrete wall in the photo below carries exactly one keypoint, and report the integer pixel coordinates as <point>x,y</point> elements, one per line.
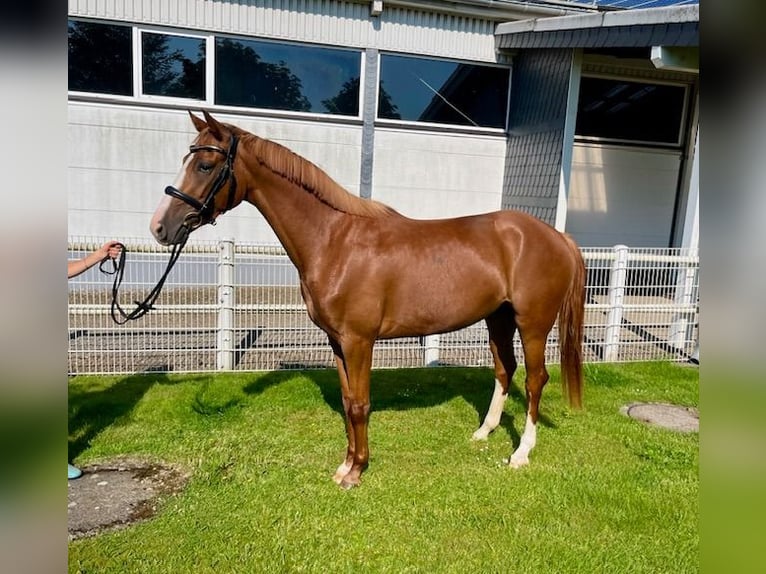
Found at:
<point>121,158</point>
<point>622,195</point>
<point>434,175</point>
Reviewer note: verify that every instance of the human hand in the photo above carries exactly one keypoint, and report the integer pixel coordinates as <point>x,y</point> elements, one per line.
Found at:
<point>111,249</point>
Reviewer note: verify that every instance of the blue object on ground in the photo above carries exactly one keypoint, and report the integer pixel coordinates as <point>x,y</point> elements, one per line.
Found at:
<point>74,472</point>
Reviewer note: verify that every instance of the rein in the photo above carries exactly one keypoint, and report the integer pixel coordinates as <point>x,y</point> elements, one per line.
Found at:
<point>142,307</point>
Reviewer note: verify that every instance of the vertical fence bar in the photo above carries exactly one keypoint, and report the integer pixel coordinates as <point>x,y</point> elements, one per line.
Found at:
<point>431,353</point>
<point>617,279</point>
<point>680,330</point>
<point>225,332</point>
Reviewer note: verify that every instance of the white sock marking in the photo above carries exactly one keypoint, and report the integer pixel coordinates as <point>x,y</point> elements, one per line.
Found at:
<point>528,440</point>
<point>341,472</point>
<point>494,413</point>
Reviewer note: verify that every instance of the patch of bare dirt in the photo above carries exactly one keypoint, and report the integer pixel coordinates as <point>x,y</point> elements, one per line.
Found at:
<point>116,494</point>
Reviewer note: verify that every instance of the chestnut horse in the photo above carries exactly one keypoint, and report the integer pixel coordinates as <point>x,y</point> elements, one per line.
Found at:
<point>368,272</point>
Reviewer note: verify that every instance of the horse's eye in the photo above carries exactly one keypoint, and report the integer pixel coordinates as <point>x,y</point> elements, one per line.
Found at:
<point>205,167</point>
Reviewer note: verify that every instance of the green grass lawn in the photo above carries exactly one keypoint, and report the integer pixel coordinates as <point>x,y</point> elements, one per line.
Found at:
<point>603,493</point>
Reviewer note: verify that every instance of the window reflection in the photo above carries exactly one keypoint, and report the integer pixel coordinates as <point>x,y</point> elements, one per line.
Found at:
<point>287,77</point>
<point>628,111</point>
<point>173,65</point>
<point>100,58</point>
<point>444,92</point>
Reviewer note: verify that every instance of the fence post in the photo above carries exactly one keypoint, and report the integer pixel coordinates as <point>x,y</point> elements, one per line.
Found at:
<point>431,354</point>
<point>617,278</point>
<point>225,332</point>
<point>680,329</point>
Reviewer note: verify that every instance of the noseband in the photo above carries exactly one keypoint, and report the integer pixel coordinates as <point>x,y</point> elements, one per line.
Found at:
<point>205,208</point>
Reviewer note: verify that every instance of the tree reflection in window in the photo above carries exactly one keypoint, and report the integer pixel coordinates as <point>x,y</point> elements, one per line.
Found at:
<point>443,92</point>
<point>173,65</point>
<point>276,76</point>
<point>349,96</point>
<point>100,58</point>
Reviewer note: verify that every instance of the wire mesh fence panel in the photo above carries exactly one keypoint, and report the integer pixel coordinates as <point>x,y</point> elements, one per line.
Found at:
<point>178,334</point>
<point>598,263</point>
<point>274,330</point>
<point>242,309</point>
<point>466,347</point>
<point>642,304</point>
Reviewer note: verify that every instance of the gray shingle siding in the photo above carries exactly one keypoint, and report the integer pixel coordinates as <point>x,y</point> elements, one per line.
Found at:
<point>668,34</point>
<point>539,91</point>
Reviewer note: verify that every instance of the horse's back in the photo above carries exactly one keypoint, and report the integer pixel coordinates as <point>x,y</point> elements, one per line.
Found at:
<point>493,248</point>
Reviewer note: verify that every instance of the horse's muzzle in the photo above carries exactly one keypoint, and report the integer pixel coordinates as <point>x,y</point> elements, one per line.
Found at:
<point>177,233</point>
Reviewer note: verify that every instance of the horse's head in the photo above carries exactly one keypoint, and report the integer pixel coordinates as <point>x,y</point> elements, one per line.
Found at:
<point>205,187</point>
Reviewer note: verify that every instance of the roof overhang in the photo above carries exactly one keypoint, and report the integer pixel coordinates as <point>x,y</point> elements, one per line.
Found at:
<point>667,27</point>
<point>496,10</point>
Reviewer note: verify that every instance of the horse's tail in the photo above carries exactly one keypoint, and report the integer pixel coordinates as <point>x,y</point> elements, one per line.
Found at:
<point>571,319</point>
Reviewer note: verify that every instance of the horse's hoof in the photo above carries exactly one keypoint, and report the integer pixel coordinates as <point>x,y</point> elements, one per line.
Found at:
<point>480,434</point>
<point>517,462</point>
<point>341,472</point>
<point>348,483</point>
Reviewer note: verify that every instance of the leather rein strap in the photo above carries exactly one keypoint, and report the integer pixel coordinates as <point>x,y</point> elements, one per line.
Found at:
<point>119,315</point>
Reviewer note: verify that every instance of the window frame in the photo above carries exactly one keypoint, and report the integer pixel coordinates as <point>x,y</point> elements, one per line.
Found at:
<point>104,95</point>
<point>138,67</point>
<point>292,113</point>
<point>139,97</point>
<point>173,102</point>
<point>442,127</point>
<point>681,136</point>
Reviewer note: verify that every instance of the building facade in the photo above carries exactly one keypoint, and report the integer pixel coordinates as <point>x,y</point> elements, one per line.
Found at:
<point>437,109</point>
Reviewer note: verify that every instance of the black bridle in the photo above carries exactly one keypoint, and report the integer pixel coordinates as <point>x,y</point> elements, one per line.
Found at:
<point>204,215</point>
<point>205,208</point>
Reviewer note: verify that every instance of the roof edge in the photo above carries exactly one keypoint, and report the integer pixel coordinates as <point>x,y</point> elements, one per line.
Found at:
<point>497,10</point>
<point>666,15</point>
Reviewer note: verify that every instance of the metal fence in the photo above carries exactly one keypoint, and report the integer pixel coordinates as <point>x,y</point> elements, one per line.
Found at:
<point>228,306</point>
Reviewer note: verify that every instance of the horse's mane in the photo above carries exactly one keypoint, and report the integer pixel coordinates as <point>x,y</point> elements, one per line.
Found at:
<point>308,176</point>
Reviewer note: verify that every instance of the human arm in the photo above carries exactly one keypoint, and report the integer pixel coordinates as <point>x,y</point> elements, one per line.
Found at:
<point>110,249</point>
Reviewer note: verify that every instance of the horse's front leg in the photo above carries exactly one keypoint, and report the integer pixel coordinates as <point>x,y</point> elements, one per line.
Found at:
<point>345,466</point>
<point>354,361</point>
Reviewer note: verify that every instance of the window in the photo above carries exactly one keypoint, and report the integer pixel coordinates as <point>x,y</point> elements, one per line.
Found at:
<point>628,111</point>
<point>277,76</point>
<point>173,65</point>
<point>100,58</point>
<point>442,92</point>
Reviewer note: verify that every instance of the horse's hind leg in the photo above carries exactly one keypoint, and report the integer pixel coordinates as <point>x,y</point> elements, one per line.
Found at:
<point>501,326</point>
<point>534,341</point>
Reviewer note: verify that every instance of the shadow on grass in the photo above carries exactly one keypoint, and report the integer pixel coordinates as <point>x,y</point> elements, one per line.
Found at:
<point>413,388</point>
<point>92,411</point>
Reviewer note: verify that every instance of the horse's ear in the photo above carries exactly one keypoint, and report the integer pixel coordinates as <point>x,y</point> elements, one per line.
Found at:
<point>216,128</point>
<point>199,123</point>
